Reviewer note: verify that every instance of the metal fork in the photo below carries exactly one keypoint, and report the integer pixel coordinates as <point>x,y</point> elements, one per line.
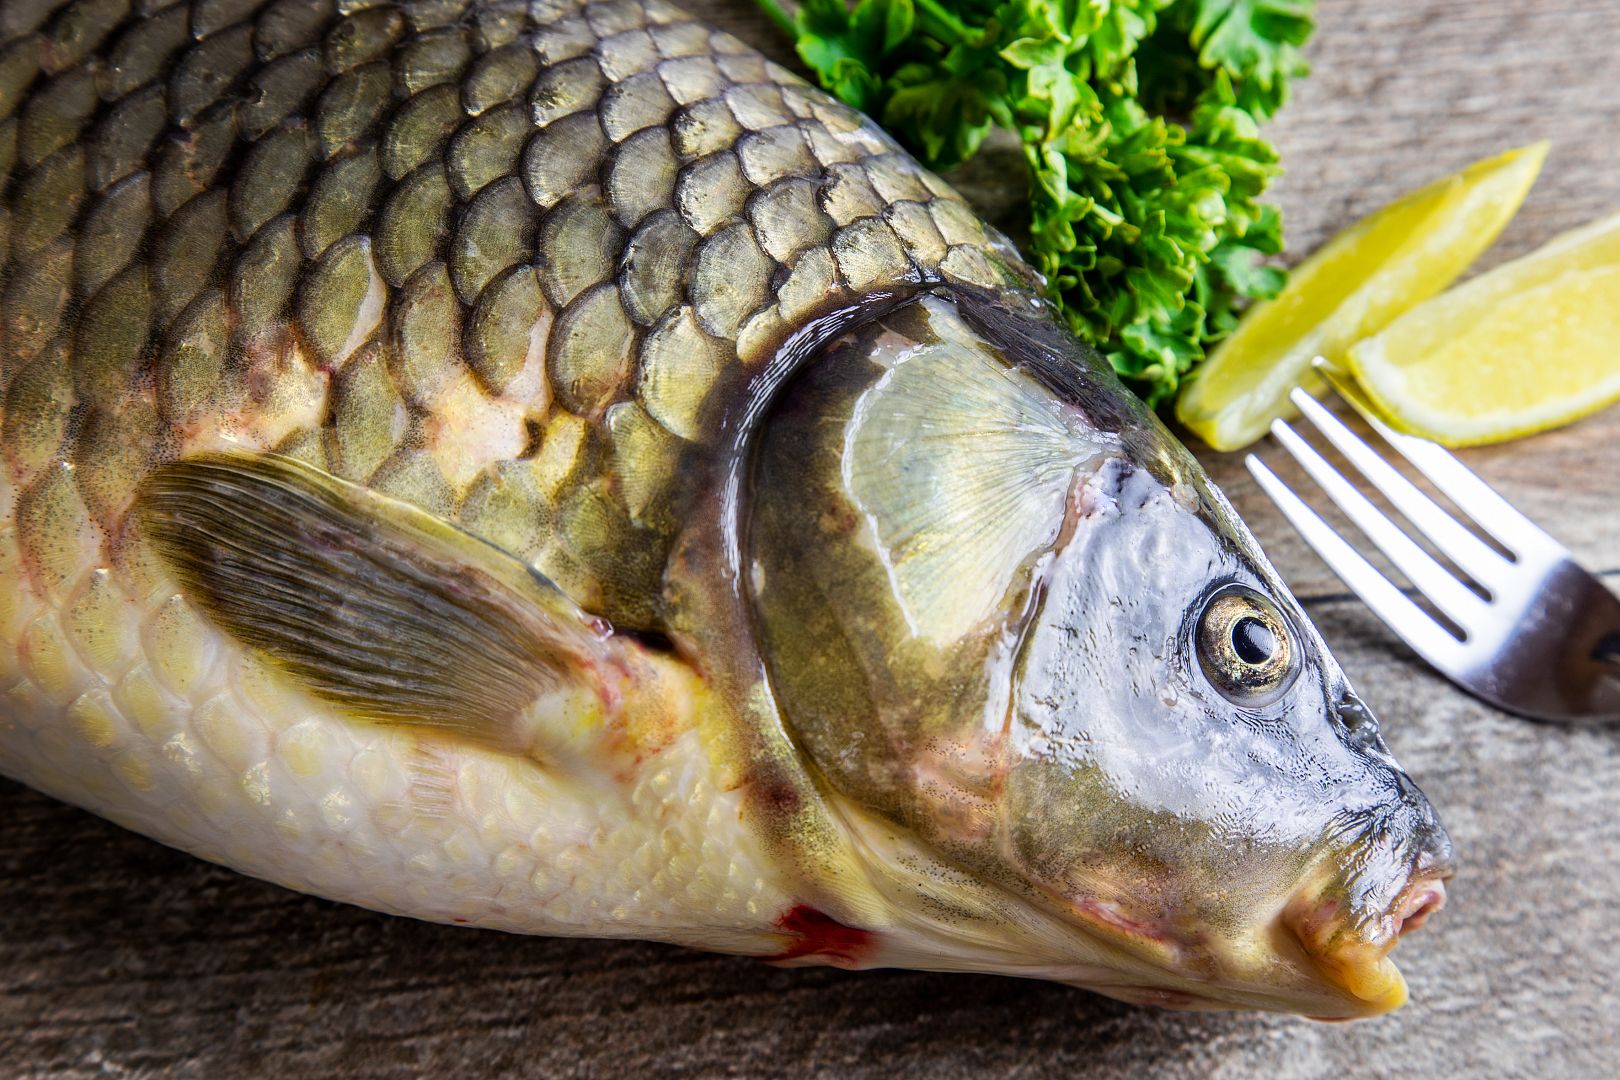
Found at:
<point>1544,640</point>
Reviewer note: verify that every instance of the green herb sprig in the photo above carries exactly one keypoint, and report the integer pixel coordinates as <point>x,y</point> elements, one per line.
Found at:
<point>1139,120</point>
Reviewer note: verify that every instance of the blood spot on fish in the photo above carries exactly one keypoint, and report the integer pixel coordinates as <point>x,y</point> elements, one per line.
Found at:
<point>818,936</point>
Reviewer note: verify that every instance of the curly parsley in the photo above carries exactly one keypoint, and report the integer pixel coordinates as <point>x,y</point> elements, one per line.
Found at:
<point>1139,120</point>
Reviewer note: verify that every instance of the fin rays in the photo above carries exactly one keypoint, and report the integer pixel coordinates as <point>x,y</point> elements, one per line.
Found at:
<point>367,602</point>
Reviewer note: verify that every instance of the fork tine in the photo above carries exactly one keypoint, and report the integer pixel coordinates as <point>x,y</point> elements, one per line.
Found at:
<point>1455,480</point>
<point>1472,555</point>
<point>1427,638</point>
<point>1421,569</point>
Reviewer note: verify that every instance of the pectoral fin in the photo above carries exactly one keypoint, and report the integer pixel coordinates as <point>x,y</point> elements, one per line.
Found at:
<point>387,612</point>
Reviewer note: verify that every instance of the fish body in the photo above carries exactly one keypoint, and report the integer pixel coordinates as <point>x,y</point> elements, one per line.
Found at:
<point>546,467</point>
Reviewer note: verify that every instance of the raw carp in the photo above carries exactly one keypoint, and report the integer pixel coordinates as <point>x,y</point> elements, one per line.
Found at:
<point>544,466</point>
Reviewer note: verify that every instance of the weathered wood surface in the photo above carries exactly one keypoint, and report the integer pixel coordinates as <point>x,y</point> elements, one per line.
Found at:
<point>119,957</point>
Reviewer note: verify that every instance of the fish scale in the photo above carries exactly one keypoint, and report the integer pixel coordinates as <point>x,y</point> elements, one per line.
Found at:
<point>505,261</point>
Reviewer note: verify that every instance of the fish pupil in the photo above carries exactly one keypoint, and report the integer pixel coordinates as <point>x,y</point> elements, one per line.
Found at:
<point>1253,641</point>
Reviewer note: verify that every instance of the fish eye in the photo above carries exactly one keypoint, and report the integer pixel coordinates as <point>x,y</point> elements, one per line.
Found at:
<point>1245,646</point>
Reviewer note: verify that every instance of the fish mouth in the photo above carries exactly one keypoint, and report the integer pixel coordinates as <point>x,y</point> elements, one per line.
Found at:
<point>1352,955</point>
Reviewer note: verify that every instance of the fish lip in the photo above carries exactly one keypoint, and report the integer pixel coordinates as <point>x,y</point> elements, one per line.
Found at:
<point>1341,963</point>
<point>1425,894</point>
<point>1351,955</point>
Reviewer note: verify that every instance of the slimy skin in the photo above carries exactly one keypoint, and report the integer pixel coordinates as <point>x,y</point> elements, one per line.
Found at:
<point>545,467</point>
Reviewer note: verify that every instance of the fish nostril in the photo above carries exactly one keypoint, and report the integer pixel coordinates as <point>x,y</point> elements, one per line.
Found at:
<point>1360,727</point>
<point>1355,716</point>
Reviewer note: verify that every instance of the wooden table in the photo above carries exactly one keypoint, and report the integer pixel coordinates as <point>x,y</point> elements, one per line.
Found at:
<point>119,957</point>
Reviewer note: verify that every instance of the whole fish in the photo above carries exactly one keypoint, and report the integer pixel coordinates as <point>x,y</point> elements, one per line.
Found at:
<point>544,466</point>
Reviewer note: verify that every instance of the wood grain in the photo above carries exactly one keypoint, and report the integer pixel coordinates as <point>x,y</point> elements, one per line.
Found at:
<point>121,958</point>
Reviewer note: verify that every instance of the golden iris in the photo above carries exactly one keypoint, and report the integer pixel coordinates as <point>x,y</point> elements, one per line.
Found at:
<point>1245,646</point>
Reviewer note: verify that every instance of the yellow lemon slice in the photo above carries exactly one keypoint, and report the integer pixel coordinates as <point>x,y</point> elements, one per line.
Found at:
<point>1352,287</point>
<point>1527,346</point>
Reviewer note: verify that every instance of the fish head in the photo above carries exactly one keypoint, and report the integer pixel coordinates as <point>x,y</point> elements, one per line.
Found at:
<point>1072,721</point>
<point>1189,768</point>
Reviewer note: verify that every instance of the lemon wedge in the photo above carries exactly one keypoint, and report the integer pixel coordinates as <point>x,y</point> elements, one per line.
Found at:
<point>1354,286</point>
<point>1530,345</point>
